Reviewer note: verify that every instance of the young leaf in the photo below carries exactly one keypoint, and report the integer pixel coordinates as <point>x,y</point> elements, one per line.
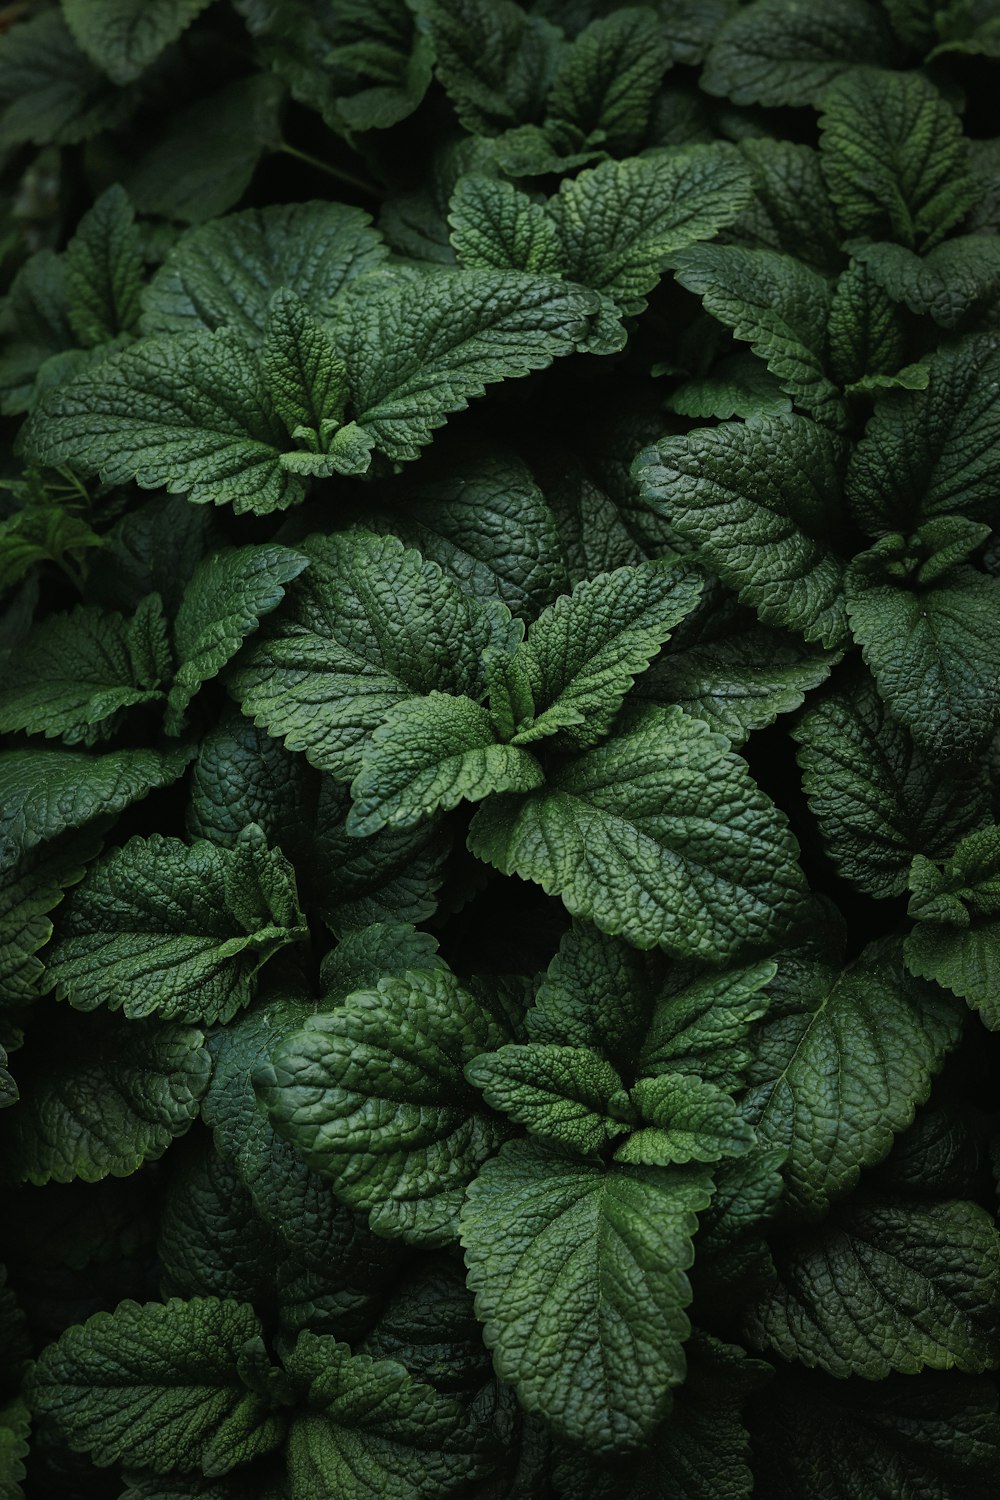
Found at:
<point>779,307</point>
<point>73,678</point>
<point>956,940</point>
<point>658,835</point>
<point>225,273</point>
<point>620,223</point>
<point>104,271</point>
<point>790,210</point>
<point>46,792</point>
<point>578,1270</point>
<point>189,412</point>
<point>766,536</point>
<point>124,36</point>
<point>897,1287</point>
<point>687,1119</point>
<point>306,378</point>
<point>223,604</point>
<point>162,928</point>
<point>893,158</point>
<point>368,625</point>
<point>584,652</point>
<point>178,1386</point>
<point>946,284</point>
<point>564,1094</point>
<point>933,649</point>
<point>772,54</point>
<point>841,1065</point>
<point>101,1099</point>
<point>878,798</point>
<point>430,754</point>
<point>372,1095</point>
<point>369,1429</point>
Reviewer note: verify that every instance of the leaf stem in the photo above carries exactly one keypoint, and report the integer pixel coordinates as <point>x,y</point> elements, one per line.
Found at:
<point>342,175</point>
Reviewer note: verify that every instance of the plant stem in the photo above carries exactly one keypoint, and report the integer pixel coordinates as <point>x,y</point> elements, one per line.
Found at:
<point>324,166</point>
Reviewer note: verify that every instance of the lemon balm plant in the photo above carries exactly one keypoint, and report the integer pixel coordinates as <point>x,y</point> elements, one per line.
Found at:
<point>500,920</point>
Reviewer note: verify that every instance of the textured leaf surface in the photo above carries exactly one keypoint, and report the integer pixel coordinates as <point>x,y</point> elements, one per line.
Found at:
<point>893,157</point>
<point>50,91</point>
<point>603,93</point>
<point>900,1287</point>
<point>956,940</point>
<point>658,835</point>
<point>105,1100</point>
<point>584,652</point>
<point>27,896</point>
<point>565,1094</point>
<point>104,270</point>
<point>772,52</point>
<point>494,227</point>
<point>368,625</point>
<point>430,754</point>
<point>687,1120</point>
<point>124,36</point>
<point>841,1065</point>
<point>494,61</point>
<point>166,1386</point>
<point>578,1271</point>
<point>877,797</point>
<point>758,500</point>
<point>163,928</point>
<point>373,1096</point>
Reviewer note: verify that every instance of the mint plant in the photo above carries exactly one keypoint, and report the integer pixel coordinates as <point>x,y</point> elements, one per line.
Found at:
<point>499,802</point>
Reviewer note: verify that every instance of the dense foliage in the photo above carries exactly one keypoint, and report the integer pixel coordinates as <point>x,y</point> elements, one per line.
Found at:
<point>500,930</point>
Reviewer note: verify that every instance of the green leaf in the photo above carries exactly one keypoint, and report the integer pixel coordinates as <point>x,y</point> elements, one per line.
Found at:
<point>225,273</point>
<point>228,594</point>
<point>153,549</point>
<point>189,412</point>
<point>205,156</point>
<point>46,792</point>
<point>162,928</point>
<point>939,1435</point>
<point>841,1064</point>
<point>866,333</point>
<point>306,378</point>
<point>104,271</point>
<point>50,92</point>
<point>100,1098</point>
<point>604,90</point>
<point>15,1427</point>
<point>700,1023</point>
<point>564,1094</point>
<point>578,1271</point>
<point>74,676</point>
<point>242,776</point>
<point>372,1095</point>
<point>36,326</point>
<point>393,875</point>
<point>367,626</point>
<point>173,1386</point>
<point>734,673</point>
<point>659,835</point>
<point>210,1242</point>
<point>956,940</point>
<point>583,654</point>
<point>901,1286</point>
<point>933,452</point>
<point>621,223</point>
<point>893,157</point>
<point>494,227</point>
<point>418,350</point>
<point>790,210</point>
<point>932,649</point>
<point>494,61</point>
<point>124,36</point>
<point>687,1119</point>
<point>28,894</point>
<point>369,1429</point>
<point>777,305</point>
<point>947,284</point>
<point>773,53</point>
<point>484,521</point>
<point>430,754</point>
<point>878,798</point>
<point>740,385</point>
<point>759,499</point>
